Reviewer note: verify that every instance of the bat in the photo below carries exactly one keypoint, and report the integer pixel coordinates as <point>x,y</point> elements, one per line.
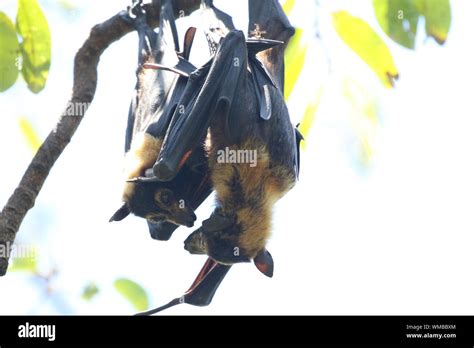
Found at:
<point>238,97</point>
<point>245,112</point>
<point>161,77</point>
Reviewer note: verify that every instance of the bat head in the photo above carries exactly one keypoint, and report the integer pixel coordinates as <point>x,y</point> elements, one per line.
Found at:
<point>219,239</point>
<point>156,202</point>
<point>222,246</point>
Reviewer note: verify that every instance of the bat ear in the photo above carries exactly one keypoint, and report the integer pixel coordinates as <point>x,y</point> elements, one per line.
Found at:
<point>264,262</point>
<point>188,42</point>
<point>121,213</point>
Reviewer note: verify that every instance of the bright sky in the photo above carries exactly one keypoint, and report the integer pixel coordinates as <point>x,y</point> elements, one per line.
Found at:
<point>393,238</point>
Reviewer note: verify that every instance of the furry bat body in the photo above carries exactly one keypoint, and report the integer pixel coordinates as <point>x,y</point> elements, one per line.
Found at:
<point>244,109</point>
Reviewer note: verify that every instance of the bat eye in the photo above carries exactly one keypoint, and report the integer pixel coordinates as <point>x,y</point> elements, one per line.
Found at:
<point>155,218</point>
<point>165,197</point>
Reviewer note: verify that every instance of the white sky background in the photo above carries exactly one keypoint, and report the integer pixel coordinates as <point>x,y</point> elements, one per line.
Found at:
<point>395,238</point>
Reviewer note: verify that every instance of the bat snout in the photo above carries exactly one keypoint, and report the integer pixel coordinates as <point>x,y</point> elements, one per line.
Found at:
<point>186,218</point>
<point>190,222</point>
<point>196,243</point>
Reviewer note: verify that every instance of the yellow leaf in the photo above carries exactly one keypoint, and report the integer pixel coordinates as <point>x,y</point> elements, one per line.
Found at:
<point>309,116</point>
<point>364,41</point>
<point>288,6</point>
<point>29,133</point>
<point>295,55</point>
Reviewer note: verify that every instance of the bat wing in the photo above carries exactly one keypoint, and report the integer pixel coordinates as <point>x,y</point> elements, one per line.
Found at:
<point>267,19</point>
<point>161,77</point>
<point>203,288</point>
<point>218,24</point>
<point>153,86</point>
<point>261,78</point>
<point>210,90</point>
<point>298,137</point>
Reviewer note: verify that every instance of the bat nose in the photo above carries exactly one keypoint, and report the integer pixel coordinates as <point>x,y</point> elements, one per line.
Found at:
<point>190,220</point>
<point>195,242</point>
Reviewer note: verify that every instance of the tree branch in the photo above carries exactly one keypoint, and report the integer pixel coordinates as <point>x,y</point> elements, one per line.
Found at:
<point>85,83</point>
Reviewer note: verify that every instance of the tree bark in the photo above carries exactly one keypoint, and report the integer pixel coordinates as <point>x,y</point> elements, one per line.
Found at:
<point>84,87</point>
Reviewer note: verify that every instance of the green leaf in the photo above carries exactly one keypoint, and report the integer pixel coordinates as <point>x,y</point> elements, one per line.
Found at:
<point>133,293</point>
<point>36,46</point>
<point>9,51</point>
<point>29,134</point>
<point>364,41</point>
<point>24,264</point>
<point>437,15</point>
<point>295,55</point>
<point>89,291</point>
<point>398,19</point>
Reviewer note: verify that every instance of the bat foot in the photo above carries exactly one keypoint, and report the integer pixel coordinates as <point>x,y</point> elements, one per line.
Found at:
<point>134,14</point>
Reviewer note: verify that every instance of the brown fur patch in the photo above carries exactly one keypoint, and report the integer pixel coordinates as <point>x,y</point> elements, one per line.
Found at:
<point>143,153</point>
<point>250,193</point>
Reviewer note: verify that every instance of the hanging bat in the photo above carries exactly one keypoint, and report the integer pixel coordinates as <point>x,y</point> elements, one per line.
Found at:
<point>239,97</point>
<point>161,77</point>
<point>246,114</point>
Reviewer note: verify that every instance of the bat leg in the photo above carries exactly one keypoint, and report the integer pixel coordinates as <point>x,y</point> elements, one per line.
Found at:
<point>132,13</point>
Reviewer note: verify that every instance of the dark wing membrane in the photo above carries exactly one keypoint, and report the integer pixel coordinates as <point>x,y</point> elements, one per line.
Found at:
<point>209,90</point>
<point>218,23</point>
<point>153,86</point>
<point>298,137</point>
<point>161,78</point>
<point>266,17</point>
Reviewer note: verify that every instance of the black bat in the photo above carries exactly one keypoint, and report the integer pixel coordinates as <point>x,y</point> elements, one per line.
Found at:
<point>161,77</point>
<point>239,97</point>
